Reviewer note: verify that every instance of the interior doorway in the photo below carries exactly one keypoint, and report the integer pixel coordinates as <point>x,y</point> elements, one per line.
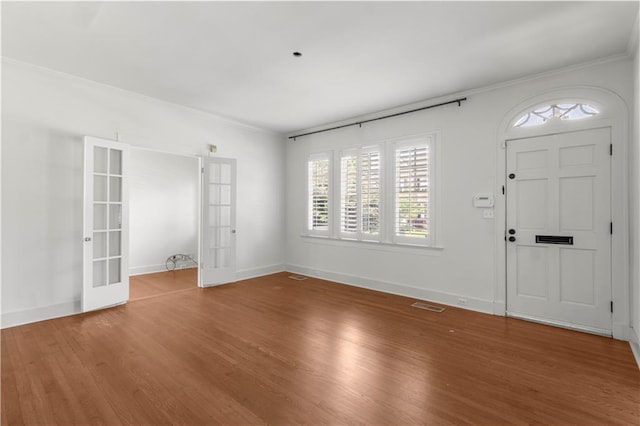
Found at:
<point>164,222</point>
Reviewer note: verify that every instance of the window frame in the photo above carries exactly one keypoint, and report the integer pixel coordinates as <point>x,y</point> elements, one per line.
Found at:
<point>359,234</point>
<point>308,223</point>
<point>386,238</point>
<point>430,142</point>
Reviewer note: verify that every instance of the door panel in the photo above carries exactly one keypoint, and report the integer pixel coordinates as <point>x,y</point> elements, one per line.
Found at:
<point>559,185</point>
<point>105,254</point>
<point>219,222</point>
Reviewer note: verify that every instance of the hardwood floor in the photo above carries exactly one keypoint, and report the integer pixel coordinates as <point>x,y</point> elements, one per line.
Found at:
<point>158,283</point>
<point>278,351</point>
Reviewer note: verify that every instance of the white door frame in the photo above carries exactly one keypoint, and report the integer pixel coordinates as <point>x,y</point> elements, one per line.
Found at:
<point>614,114</point>
<point>198,172</point>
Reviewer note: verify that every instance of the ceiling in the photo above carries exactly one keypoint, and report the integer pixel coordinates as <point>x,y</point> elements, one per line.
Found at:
<point>234,59</point>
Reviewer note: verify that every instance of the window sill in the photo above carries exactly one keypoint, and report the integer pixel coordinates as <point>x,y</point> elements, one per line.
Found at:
<point>373,245</point>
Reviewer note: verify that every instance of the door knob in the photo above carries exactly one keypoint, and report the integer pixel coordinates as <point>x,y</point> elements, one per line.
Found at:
<point>512,239</point>
<point>512,231</point>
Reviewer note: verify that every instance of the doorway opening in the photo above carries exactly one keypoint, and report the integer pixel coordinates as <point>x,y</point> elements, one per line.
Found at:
<point>164,222</point>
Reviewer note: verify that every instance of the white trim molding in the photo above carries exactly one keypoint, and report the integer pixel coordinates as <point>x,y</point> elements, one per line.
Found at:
<point>42,313</point>
<point>245,274</point>
<point>450,299</point>
<point>634,342</point>
<point>614,113</point>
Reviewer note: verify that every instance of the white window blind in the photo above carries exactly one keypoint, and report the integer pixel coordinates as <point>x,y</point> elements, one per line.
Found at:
<point>412,175</point>
<point>370,193</point>
<point>360,194</point>
<point>349,194</point>
<point>384,193</point>
<point>318,192</point>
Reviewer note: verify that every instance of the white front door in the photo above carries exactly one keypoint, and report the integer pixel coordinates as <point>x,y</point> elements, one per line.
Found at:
<point>558,229</point>
<point>106,233</point>
<point>218,259</point>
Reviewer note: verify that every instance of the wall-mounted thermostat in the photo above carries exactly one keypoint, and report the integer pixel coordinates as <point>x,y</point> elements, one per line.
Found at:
<point>483,201</point>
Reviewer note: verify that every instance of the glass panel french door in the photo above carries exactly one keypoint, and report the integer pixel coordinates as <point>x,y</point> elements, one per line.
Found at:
<point>105,254</point>
<point>219,221</point>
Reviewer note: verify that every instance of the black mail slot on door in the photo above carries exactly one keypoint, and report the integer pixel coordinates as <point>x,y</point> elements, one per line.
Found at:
<point>554,239</point>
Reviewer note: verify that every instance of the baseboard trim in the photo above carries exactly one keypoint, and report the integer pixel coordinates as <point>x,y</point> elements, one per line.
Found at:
<point>27,316</point>
<point>245,274</point>
<point>634,342</point>
<point>149,269</point>
<point>473,304</point>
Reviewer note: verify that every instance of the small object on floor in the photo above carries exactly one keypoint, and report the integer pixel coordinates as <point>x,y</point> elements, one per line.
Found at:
<point>172,261</point>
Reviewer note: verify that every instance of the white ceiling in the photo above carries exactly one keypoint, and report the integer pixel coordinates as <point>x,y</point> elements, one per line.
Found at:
<point>235,58</point>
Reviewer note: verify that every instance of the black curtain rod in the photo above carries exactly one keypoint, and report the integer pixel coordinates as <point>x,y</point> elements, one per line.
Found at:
<point>360,123</point>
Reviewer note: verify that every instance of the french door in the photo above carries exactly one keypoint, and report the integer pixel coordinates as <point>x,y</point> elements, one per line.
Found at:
<point>106,233</point>
<point>558,229</point>
<point>218,254</point>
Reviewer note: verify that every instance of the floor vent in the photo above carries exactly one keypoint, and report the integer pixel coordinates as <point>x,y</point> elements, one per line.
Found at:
<point>297,277</point>
<point>427,307</point>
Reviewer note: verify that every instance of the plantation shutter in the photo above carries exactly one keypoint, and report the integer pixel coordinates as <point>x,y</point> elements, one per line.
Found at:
<point>412,193</point>
<point>370,193</point>
<point>318,190</point>
<point>349,194</point>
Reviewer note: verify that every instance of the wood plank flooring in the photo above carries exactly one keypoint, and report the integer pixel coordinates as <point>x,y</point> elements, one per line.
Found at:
<point>155,284</point>
<point>278,351</point>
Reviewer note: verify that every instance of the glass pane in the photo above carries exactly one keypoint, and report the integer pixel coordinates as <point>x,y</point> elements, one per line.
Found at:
<point>99,216</point>
<point>214,216</point>
<point>214,193</point>
<point>223,258</point>
<point>99,273</point>
<point>225,173</point>
<point>115,244</point>
<point>99,245</point>
<point>214,234</point>
<point>225,237</point>
<point>115,189</point>
<point>115,161</point>
<point>99,188</point>
<point>214,173</point>
<point>115,216</point>
<point>212,258</point>
<point>225,216</point>
<point>114,271</point>
<point>99,159</point>
<point>225,194</point>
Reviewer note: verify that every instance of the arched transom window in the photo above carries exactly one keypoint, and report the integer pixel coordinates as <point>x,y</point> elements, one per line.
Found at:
<point>545,113</point>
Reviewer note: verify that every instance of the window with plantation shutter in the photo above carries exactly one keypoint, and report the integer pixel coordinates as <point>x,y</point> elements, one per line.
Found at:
<point>412,193</point>
<point>360,194</point>
<point>384,193</point>
<point>318,193</point>
<point>370,193</point>
<point>349,194</point>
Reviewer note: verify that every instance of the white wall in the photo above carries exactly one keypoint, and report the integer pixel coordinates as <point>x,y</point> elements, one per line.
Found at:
<point>44,118</point>
<point>466,267</point>
<point>163,209</point>
<point>634,198</point>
